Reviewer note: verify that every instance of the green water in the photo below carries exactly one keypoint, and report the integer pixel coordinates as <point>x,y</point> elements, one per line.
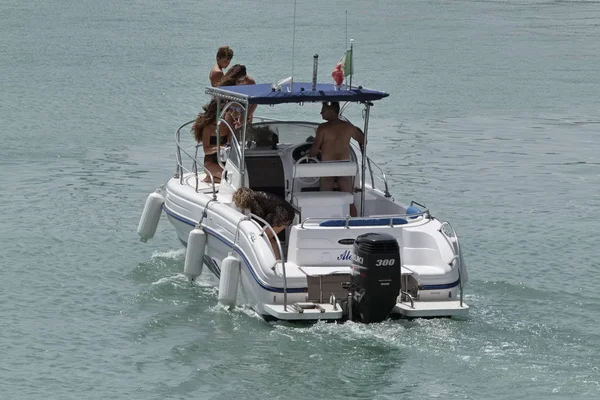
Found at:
<point>492,121</point>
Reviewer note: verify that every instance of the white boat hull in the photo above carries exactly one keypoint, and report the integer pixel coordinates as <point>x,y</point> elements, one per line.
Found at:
<point>262,286</point>
<point>316,279</point>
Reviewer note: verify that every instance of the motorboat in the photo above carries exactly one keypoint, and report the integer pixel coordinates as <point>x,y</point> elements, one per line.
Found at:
<point>392,259</point>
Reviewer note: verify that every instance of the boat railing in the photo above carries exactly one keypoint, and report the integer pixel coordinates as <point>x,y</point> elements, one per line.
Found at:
<point>193,158</point>
<point>447,230</point>
<point>376,173</point>
<point>234,138</point>
<point>374,170</point>
<point>382,177</point>
<point>260,119</point>
<point>196,164</point>
<point>263,232</point>
<point>349,222</point>
<point>265,119</point>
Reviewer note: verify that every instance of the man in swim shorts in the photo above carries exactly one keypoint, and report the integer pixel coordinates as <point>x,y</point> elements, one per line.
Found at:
<point>333,140</point>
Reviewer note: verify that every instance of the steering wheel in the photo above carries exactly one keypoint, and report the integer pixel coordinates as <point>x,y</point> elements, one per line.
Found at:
<point>301,150</point>
<point>308,160</point>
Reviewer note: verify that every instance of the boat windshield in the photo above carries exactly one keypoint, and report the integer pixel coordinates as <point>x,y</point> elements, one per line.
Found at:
<point>270,133</point>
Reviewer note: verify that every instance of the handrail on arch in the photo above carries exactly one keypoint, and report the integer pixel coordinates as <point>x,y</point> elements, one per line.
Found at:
<point>193,158</point>
<point>195,162</point>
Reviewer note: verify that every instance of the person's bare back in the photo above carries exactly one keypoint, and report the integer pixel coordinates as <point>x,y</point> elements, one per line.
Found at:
<point>215,75</point>
<point>335,140</point>
<point>332,139</point>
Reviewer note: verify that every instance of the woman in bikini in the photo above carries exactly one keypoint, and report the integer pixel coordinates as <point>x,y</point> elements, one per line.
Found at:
<point>205,126</point>
<point>205,132</point>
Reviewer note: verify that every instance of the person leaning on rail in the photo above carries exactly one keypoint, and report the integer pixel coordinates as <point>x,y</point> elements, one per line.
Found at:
<point>273,209</point>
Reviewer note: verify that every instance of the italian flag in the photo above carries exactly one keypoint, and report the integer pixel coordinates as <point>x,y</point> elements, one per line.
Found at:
<point>346,62</point>
<point>343,68</point>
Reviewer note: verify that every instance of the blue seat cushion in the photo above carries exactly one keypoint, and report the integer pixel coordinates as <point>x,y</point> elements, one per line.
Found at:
<point>363,222</point>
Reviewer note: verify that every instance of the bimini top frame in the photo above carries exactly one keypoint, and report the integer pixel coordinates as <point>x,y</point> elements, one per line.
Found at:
<point>298,92</point>
<point>302,92</point>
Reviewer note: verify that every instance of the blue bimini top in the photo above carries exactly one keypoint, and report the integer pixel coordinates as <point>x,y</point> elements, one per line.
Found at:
<point>264,93</point>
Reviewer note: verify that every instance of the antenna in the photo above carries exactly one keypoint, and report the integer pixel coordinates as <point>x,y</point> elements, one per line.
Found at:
<point>351,61</point>
<point>346,42</point>
<point>293,47</point>
<point>315,65</point>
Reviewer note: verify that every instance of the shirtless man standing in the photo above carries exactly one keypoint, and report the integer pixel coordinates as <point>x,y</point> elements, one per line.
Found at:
<point>333,140</point>
<point>224,56</point>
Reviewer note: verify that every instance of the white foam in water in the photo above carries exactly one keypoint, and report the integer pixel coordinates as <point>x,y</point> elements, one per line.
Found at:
<point>247,310</point>
<point>172,254</point>
<point>177,280</point>
<point>166,279</point>
<point>389,333</point>
<point>219,308</point>
<point>204,282</point>
<point>238,309</point>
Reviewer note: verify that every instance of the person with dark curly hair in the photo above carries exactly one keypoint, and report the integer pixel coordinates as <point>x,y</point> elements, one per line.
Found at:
<point>276,211</point>
<point>237,75</point>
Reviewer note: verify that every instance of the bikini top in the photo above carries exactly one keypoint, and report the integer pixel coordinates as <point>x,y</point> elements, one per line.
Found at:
<point>213,140</point>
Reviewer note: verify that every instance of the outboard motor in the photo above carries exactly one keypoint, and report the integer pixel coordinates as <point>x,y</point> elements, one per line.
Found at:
<point>375,280</point>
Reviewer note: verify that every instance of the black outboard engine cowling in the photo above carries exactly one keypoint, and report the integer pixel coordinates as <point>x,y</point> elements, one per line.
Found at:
<point>375,276</point>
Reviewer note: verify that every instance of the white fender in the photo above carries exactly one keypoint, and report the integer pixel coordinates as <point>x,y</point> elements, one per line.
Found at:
<point>194,255</point>
<point>151,215</point>
<point>229,280</point>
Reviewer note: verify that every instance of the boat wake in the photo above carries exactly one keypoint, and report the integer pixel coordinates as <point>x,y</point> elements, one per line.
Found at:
<point>175,254</point>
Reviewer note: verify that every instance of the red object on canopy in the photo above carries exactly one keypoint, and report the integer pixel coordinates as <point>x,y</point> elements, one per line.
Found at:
<point>338,73</point>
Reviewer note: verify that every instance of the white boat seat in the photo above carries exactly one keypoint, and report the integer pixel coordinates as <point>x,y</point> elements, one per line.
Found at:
<point>324,204</point>
<point>325,198</point>
<point>326,168</point>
